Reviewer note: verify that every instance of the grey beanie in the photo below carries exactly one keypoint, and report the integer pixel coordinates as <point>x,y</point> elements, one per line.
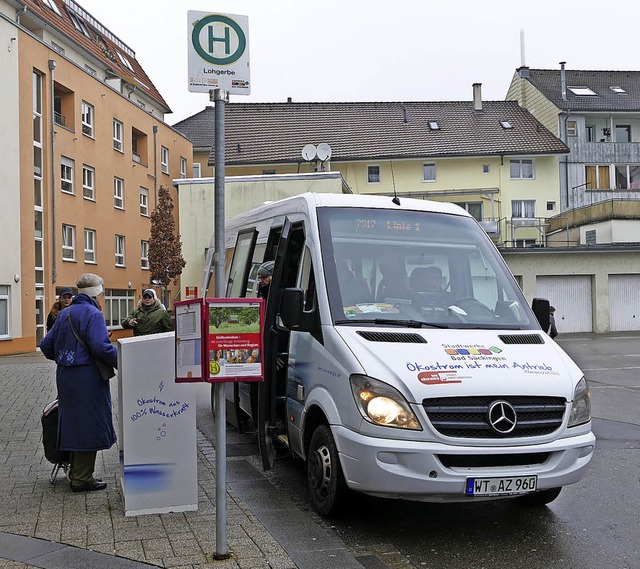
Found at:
<point>266,269</point>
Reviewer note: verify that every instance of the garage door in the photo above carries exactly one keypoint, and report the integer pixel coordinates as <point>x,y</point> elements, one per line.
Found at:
<point>571,297</point>
<point>624,302</point>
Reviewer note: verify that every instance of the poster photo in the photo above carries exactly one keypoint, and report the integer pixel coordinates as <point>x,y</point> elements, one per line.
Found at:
<point>234,339</point>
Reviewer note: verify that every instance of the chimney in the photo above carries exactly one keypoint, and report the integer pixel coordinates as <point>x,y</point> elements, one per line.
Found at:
<point>477,96</point>
<point>563,80</point>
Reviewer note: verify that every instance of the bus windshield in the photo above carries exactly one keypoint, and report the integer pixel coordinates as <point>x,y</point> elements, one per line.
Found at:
<point>417,268</point>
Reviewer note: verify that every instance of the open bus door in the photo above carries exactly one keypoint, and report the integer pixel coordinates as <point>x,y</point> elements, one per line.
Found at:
<point>267,388</point>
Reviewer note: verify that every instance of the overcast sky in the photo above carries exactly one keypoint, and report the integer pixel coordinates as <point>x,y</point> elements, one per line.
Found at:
<point>379,50</point>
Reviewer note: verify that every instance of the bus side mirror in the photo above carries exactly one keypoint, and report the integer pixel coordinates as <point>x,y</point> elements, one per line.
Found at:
<point>540,308</point>
<point>291,308</point>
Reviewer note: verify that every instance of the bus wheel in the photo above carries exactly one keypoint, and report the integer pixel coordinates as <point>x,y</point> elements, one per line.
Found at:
<point>324,474</point>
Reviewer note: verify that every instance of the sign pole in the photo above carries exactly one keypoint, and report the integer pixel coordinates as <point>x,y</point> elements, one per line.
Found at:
<point>219,64</point>
<point>219,97</point>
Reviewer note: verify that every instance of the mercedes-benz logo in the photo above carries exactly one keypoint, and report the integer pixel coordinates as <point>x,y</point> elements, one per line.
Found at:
<point>502,417</point>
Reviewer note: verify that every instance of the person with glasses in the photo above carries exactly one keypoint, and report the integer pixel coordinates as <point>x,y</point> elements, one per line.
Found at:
<point>149,317</point>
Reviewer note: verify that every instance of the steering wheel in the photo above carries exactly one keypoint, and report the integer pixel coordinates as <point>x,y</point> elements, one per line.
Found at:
<point>473,307</point>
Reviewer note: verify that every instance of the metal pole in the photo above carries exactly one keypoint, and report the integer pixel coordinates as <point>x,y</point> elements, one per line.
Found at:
<point>219,97</point>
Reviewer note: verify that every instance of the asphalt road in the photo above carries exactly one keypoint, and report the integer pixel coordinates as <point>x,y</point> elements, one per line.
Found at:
<point>592,525</point>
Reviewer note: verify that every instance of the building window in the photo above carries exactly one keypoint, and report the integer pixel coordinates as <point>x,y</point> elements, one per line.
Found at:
<point>485,168</point>
<point>598,177</point>
<point>51,4</point>
<point>144,201</point>
<point>197,170</point>
<point>623,133</point>
<point>551,206</point>
<point>87,119</point>
<point>68,242</point>
<point>433,125</point>
<point>474,208</point>
<point>79,24</point>
<point>118,193</point>
<point>269,171</point>
<point>591,133</point>
<point>117,135</point>
<point>373,174</point>
<point>183,167</point>
<point>88,182</point>
<point>118,304</point>
<point>627,177</point>
<point>572,128</point>
<point>66,175</point>
<point>506,125</point>
<point>144,254</point>
<point>521,169</point>
<point>523,209</point>
<point>164,159</point>
<point>89,245</point>
<point>429,172</point>
<point>119,250</point>
<point>4,310</point>
<point>581,90</point>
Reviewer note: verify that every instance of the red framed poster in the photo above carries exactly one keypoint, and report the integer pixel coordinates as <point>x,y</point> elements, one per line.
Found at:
<point>233,332</point>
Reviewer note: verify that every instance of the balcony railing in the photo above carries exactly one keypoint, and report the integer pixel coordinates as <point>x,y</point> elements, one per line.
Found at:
<point>59,119</point>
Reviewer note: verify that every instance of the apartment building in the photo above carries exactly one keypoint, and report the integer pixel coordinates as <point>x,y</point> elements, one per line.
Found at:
<point>85,150</point>
<point>597,114</point>
<point>492,158</point>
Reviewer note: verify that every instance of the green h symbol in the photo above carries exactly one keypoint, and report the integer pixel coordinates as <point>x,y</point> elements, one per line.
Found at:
<point>225,40</point>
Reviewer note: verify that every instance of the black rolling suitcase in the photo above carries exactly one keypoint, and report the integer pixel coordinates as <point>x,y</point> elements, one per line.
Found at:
<point>59,458</point>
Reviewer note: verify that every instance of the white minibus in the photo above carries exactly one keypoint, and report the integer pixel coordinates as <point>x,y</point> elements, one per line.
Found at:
<point>401,358</point>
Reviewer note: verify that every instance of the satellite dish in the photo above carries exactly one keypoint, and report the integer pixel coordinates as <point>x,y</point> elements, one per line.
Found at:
<point>309,152</point>
<point>324,151</point>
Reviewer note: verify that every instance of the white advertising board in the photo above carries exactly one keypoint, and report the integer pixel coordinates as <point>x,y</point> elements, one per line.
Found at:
<point>218,52</point>
<point>157,419</point>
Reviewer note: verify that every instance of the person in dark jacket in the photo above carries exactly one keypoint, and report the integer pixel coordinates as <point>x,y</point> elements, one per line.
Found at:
<point>64,300</point>
<point>149,317</point>
<point>85,422</point>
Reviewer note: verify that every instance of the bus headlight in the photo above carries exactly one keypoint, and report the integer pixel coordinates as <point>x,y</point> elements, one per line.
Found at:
<point>382,404</point>
<point>581,405</point>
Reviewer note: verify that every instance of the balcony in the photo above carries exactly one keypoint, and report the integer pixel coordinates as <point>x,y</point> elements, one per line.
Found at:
<point>604,152</point>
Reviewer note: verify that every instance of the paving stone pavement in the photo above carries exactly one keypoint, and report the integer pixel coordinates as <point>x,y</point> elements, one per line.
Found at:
<point>47,525</point>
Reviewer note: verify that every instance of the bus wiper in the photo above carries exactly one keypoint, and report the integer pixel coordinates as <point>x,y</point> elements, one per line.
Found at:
<point>409,323</point>
<point>392,322</point>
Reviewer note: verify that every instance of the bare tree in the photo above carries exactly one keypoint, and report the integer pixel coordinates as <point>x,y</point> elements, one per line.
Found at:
<point>165,248</point>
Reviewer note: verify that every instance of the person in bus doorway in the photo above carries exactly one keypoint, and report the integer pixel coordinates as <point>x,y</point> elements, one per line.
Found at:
<point>264,279</point>
<point>265,273</point>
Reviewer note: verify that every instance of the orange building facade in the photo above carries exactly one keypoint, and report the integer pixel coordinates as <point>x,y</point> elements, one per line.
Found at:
<point>87,150</point>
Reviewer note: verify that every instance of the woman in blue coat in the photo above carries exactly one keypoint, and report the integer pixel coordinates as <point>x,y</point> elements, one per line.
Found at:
<point>85,423</point>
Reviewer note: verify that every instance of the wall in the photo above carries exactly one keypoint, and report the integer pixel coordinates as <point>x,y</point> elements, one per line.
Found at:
<point>527,265</point>
<point>10,251</point>
<point>197,200</point>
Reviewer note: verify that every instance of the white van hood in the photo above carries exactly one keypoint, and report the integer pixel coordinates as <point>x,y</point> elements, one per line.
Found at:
<point>463,362</point>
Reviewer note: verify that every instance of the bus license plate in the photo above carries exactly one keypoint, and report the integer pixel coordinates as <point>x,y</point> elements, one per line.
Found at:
<point>501,486</point>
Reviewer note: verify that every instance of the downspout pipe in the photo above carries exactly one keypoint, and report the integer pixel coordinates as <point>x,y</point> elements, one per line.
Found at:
<point>21,13</point>
<point>155,165</point>
<point>54,226</point>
